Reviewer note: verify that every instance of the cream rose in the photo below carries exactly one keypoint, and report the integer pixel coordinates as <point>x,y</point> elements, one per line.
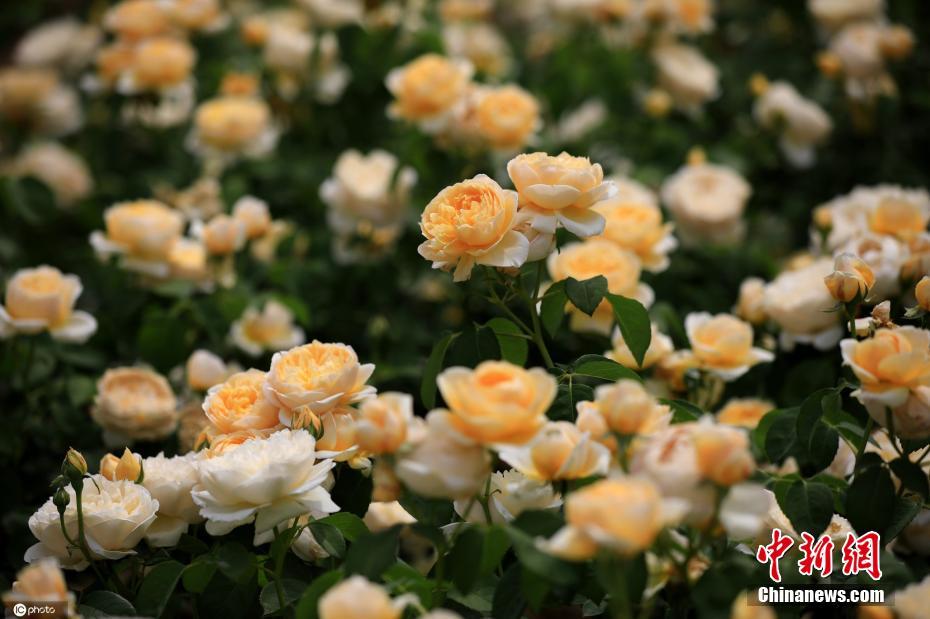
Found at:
<point>253,214</point>
<point>560,190</point>
<point>265,481</point>
<point>595,257</point>
<point>440,462</point>
<point>223,235</point>
<point>689,77</point>
<point>799,302</point>
<point>134,403</point>
<point>234,125</point>
<point>751,303</point>
<point>338,438</point>
<point>472,223</point>
<point>381,422</point>
<point>42,299</point>
<point>143,232</point>
<point>159,64</point>
<point>707,202</point>
<point>744,412</point>
<point>170,481</point>
<point>559,451</point>
<point>893,367</point>
<point>117,515</point>
<point>833,13</point>
<point>238,403</point>
<point>621,515</point>
<point>851,278</point>
<point>204,370</point>
<point>62,170</point>
<point>43,581</point>
<point>660,346</point>
<point>272,329</point>
<point>497,402</point>
<point>135,20</point>
<point>722,344</point>
<point>64,43</point>
<point>627,408</point>
<point>428,90</point>
<point>358,598</point>
<point>506,117</point>
<point>511,493</point>
<point>802,123</point>
<point>318,377</point>
<point>634,222</point>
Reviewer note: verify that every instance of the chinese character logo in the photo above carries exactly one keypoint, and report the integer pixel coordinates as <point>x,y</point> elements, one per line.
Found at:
<point>858,554</point>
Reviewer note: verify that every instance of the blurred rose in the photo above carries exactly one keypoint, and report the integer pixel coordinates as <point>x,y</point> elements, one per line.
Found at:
<point>686,75</point>
<point>62,170</point>
<point>744,412</point>
<point>170,481</point>
<point>660,346</point>
<point>271,329</point>
<point>722,344</point>
<point>381,422</point>
<point>42,299</point>
<point>134,403</point>
<point>801,305</point>
<point>428,89</point>
<point>510,494</point>
<point>559,451</point>
<point>707,202</point>
<point>205,369</point>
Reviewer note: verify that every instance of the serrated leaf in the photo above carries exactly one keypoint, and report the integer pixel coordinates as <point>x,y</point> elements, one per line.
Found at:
<point>634,323</point>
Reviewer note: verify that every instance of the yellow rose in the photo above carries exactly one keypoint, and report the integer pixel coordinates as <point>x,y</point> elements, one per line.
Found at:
<point>220,444</point>
<point>634,222</point>
<point>751,303</point>
<point>357,598</point>
<point>112,60</point>
<point>722,344</point>
<point>22,91</point>
<point>204,370</point>
<point>427,89</point>
<point>660,346</point>
<point>896,42</point>
<point>628,408</point>
<point>723,454</point>
<point>187,259</point>
<point>271,329</point>
<point>146,229</point>
<point>134,404</point>
<point>559,451</point>
<point>239,85</point>
<point>471,223</point>
<point>197,14</point>
<point>253,214</point>
<point>42,582</point>
<point>381,422</point>
<point>744,412</point>
<point>234,125</point>
<point>851,278</point>
<point>560,190</point>
<point>594,257</point>
<point>899,217</point>
<point>922,292</point>
<point>127,467</point>
<point>41,299</point>
<point>507,117</point>
<point>162,62</point>
<point>338,438</point>
<point>497,402</point>
<point>893,367</point>
<point>135,20</point>
<point>317,376</point>
<point>673,368</point>
<point>223,235</point>
<point>238,403</point>
<point>707,203</point>
<point>63,171</point>
<point>621,515</point>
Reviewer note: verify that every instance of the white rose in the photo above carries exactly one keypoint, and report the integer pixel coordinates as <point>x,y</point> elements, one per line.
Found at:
<point>271,329</point>
<point>803,123</point>
<point>707,202</point>
<point>687,75</point>
<point>117,515</point>
<point>64,171</point>
<point>265,481</point>
<point>511,494</point>
<point>384,515</point>
<point>833,13</point>
<point>42,299</point>
<point>65,43</point>
<point>170,481</point>
<point>885,255</point>
<point>443,463</point>
<point>799,302</point>
<point>253,214</point>
<point>134,404</point>
<point>205,369</point>
<point>335,13</point>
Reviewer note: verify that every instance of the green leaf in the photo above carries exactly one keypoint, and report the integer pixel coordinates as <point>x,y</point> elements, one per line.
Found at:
<point>435,512</point>
<point>310,599</point>
<point>511,340</point>
<point>106,603</point>
<point>495,547</point>
<point>353,492</point>
<point>682,410</point>
<point>534,589</point>
<point>465,556</point>
<point>635,327</point>
<point>235,561</point>
<point>552,307</point>
<point>198,575</point>
<point>329,537</point>
<point>566,400</point>
<point>624,579</point>
<point>808,505</point>
<point>293,589</point>
<point>598,366</point>
<point>402,577</point>
<point>508,597</point>
<point>782,433</point>
<point>372,553</point>
<point>434,365</point>
<point>350,525</point>
<point>905,510</point>
<point>532,558</point>
<point>912,476</point>
<point>157,588</point>
<point>870,500</point>
<point>586,295</point>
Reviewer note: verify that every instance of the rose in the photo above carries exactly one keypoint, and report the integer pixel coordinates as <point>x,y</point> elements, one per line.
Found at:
<point>358,598</point>
<point>134,20</point>
<point>627,408</point>
<point>265,481</point>
<point>471,223</point>
<point>43,581</point>
<point>560,190</point>
<point>506,117</point>
<point>660,346</point>
<point>170,481</point>
<point>595,257</point>
<point>42,299</point>
<point>381,422</point>
<point>893,367</point>
<point>127,467</point>
<point>722,344</point>
<point>686,75</point>
<point>744,412</point>
<point>134,403</point>
<point>428,89</point>
<point>833,13</point>
<point>497,402</point>
<point>253,214</point>
<point>363,187</point>
<point>234,125</point>
<point>317,377</point>
<point>707,202</point>
<point>271,329</point>
<point>851,278</point>
<point>801,122</point>
<point>751,304</point>
<point>622,515</point>
<point>204,370</point>
<point>143,230</point>
<point>481,43</point>
<point>116,516</point>
<point>65,172</point>
<point>338,438</point>
<point>722,452</point>
<point>160,63</point>
<point>202,15</point>
<point>922,293</point>
<point>223,235</point>
<point>510,494</point>
<point>559,451</point>
<point>239,403</point>
<point>64,43</point>
<point>799,302</point>
<point>442,463</point>
<point>634,222</point>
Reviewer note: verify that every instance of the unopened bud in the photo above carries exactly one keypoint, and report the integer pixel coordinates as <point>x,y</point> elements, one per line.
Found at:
<point>74,466</point>
<point>852,277</point>
<point>127,467</point>
<point>758,84</point>
<point>922,292</point>
<point>61,498</point>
